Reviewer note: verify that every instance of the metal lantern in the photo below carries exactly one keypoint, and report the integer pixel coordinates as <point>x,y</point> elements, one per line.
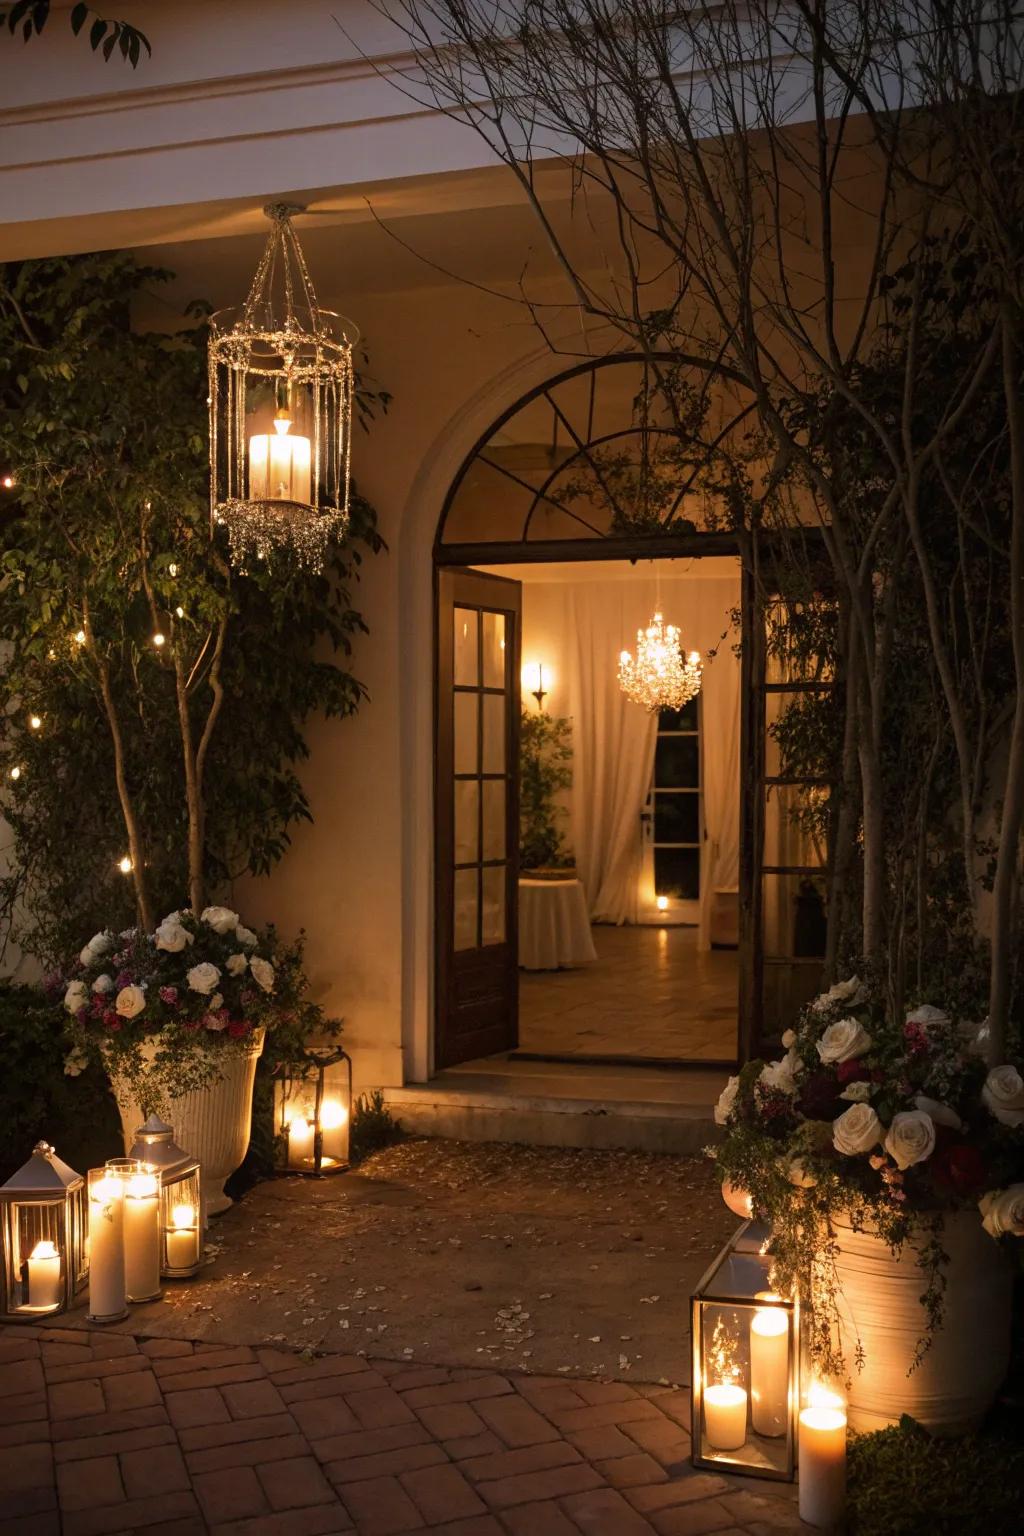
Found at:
<point>45,1248</point>
<point>313,1112</point>
<point>746,1363</point>
<point>180,1198</point>
<point>281,393</point>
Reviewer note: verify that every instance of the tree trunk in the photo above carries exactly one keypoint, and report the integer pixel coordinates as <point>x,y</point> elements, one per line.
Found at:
<point>193,793</point>
<point>845,830</point>
<point>1004,890</point>
<point>135,846</point>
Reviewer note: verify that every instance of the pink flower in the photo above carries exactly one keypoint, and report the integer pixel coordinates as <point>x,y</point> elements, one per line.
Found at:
<point>169,995</point>
<point>112,1022</point>
<point>238,1029</point>
<point>123,979</point>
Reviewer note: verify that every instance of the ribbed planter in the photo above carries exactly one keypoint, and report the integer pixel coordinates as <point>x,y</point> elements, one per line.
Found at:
<point>213,1124</point>
<point>881,1314</point>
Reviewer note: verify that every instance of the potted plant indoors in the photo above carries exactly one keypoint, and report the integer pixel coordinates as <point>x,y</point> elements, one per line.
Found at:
<point>886,1161</point>
<point>545,755</point>
<point>178,1019</point>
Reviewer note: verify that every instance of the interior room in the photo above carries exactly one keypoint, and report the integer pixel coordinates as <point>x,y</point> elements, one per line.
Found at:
<point>629,855</point>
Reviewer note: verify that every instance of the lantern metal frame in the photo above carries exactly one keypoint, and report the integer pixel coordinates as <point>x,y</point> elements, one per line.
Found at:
<point>180,1185</point>
<point>44,1201</point>
<point>303,1090</point>
<point>731,1284</point>
<point>289,348</point>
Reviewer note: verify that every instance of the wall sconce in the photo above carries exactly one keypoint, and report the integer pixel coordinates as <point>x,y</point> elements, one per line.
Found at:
<point>746,1365</point>
<point>533,682</point>
<point>43,1223</point>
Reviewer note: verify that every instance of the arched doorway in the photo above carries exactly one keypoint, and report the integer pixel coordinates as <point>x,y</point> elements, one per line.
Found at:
<point>620,465</point>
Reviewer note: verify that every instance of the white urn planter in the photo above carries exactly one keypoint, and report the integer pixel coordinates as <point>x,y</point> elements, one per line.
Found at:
<point>213,1123</point>
<point>881,1316</point>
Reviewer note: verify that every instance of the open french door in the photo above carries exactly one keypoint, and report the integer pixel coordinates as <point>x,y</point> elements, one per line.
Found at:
<point>477,815</point>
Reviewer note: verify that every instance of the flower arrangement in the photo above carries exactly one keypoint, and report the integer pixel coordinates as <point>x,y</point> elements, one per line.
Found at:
<point>160,1011</point>
<point>890,1123</point>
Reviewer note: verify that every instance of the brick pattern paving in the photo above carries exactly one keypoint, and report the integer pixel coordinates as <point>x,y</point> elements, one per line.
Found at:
<point>102,1433</point>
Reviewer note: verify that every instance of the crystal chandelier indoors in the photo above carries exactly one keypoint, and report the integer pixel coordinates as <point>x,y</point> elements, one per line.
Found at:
<point>660,677</point>
<point>281,388</point>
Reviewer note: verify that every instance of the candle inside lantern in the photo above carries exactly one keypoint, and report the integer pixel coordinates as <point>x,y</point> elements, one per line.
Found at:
<point>106,1247</point>
<point>182,1237</point>
<point>279,464</point>
<point>333,1124</point>
<point>300,1139</point>
<point>142,1237</point>
<point>769,1368</point>
<point>44,1287</point>
<point>822,1458</point>
<point>725,1415</point>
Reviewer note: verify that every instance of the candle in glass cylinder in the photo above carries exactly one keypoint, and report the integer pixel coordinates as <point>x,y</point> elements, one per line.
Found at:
<point>334,1125</point>
<point>769,1370</point>
<point>44,1286</point>
<point>142,1236</point>
<point>300,1141</point>
<point>822,1458</point>
<point>182,1237</point>
<point>279,464</point>
<point>725,1416</point>
<point>106,1247</point>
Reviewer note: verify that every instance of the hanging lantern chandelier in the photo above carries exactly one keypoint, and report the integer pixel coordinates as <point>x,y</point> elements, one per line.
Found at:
<point>281,390</point>
<point>660,677</point>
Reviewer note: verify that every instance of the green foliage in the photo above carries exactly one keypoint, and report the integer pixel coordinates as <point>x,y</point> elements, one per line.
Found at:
<point>545,752</point>
<point>105,535</point>
<point>902,1481</point>
<point>37,1101</point>
<point>373,1126</point>
<point>29,18</point>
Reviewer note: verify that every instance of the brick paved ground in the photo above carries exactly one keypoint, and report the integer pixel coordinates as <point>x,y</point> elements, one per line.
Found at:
<point>102,1433</point>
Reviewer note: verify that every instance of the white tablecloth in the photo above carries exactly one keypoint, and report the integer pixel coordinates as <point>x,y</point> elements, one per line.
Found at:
<point>554,929</point>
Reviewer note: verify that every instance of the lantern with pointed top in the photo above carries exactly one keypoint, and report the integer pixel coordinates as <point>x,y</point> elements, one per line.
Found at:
<point>43,1226</point>
<point>281,392</point>
<point>181,1215</point>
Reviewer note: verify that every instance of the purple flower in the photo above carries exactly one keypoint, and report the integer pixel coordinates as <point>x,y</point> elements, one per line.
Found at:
<point>169,995</point>
<point>123,979</point>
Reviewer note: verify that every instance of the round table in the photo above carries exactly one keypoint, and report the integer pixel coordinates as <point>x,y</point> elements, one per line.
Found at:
<point>554,928</point>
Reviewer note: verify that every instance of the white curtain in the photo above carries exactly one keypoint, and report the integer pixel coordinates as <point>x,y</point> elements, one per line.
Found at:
<point>613,746</point>
<point>579,627</point>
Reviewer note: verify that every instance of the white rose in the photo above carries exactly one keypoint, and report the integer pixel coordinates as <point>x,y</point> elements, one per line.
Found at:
<point>216,1001</point>
<point>203,978</point>
<point>778,1076</point>
<point>97,946</point>
<point>976,1037</point>
<point>103,984</point>
<point>910,1138</point>
<point>130,1001</point>
<point>173,937</point>
<point>1002,1211</point>
<point>851,991</point>
<point>76,996</point>
<point>940,1113</point>
<point>789,1038</point>
<point>726,1101</point>
<point>843,1040</point>
<point>800,1175</point>
<point>75,1063</point>
<point>262,973</point>
<point>927,1016</point>
<point>856,1093</point>
<point>220,919</point>
<point>246,936</point>
<point>1003,1094</point>
<point>235,964</point>
<point>856,1130</point>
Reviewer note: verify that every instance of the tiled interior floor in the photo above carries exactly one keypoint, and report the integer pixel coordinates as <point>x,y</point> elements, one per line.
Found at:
<point>651,993</point>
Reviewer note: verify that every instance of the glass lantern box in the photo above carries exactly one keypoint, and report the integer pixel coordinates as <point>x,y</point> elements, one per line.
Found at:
<point>312,1113</point>
<point>746,1359</point>
<point>181,1214</point>
<point>45,1237</point>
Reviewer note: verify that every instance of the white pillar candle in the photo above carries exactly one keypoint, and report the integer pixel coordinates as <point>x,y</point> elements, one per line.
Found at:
<point>334,1125</point>
<point>725,1416</point>
<point>44,1287</point>
<point>279,465</point>
<point>822,1452</point>
<point>142,1237</point>
<point>300,1141</point>
<point>182,1238</point>
<point>106,1247</point>
<point>769,1370</point>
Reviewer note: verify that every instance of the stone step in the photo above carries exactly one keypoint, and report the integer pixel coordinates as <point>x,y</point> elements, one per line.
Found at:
<point>554,1105</point>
